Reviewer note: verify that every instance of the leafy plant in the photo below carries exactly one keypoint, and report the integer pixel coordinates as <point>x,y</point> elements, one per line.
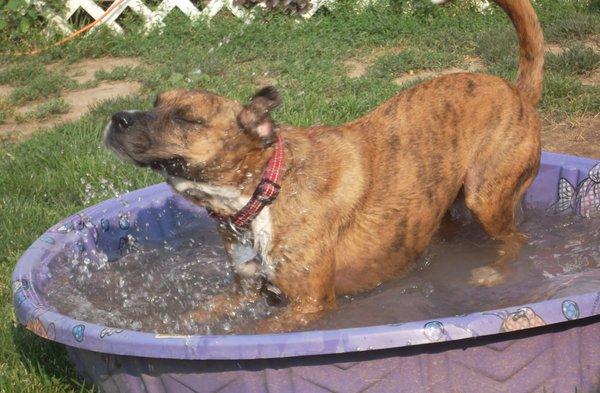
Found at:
<point>20,20</point>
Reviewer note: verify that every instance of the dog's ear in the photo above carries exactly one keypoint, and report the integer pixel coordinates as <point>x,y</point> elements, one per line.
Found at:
<point>255,118</point>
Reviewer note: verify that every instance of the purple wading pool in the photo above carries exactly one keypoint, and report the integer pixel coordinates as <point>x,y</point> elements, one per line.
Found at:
<point>548,345</point>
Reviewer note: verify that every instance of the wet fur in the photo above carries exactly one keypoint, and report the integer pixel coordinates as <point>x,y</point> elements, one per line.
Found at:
<point>360,202</point>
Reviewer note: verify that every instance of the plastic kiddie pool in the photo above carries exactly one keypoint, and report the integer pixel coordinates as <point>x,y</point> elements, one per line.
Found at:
<point>461,353</point>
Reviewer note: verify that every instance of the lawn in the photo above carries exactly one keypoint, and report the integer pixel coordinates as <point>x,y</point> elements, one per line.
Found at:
<point>329,69</point>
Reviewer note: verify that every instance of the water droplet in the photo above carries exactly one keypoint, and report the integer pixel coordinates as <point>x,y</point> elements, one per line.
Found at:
<point>123,222</point>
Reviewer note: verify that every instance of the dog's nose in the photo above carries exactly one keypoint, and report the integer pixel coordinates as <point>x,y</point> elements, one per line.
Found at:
<point>123,120</point>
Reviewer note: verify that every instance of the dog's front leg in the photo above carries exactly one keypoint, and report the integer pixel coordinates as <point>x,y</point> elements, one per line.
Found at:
<point>293,317</point>
<point>309,289</point>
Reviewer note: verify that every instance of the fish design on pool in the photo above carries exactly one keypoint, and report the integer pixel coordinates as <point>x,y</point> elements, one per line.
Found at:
<point>19,287</point>
<point>37,327</point>
<point>584,199</point>
<point>109,332</point>
<point>523,318</point>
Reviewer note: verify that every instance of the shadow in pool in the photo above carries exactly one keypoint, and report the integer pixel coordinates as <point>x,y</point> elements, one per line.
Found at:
<point>151,227</point>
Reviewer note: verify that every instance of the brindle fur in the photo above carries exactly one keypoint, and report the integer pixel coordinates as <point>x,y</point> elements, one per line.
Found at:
<point>359,202</point>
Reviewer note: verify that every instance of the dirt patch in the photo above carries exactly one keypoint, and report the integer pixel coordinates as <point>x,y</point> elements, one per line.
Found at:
<point>264,79</point>
<point>593,43</point>
<point>580,136</point>
<point>355,68</point>
<point>473,65</point>
<point>592,79</point>
<point>554,49</point>
<point>5,91</point>
<point>358,67</point>
<point>79,101</point>
<point>85,70</point>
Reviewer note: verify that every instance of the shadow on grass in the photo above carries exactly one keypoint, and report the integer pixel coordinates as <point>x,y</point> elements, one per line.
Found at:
<point>47,359</point>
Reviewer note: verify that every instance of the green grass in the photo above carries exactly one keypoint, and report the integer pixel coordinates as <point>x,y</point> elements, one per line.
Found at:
<point>414,59</point>
<point>20,74</point>
<point>54,106</point>
<point>41,86</point>
<point>6,111</point>
<point>41,178</point>
<point>120,73</point>
<point>576,26</point>
<point>578,60</point>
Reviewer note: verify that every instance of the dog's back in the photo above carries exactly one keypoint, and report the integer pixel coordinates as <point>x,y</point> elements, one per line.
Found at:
<point>417,151</point>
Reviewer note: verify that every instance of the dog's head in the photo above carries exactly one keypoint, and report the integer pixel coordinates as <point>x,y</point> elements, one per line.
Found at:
<point>194,133</point>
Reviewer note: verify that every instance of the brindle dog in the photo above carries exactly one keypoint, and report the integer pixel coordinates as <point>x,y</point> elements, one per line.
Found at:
<point>359,202</point>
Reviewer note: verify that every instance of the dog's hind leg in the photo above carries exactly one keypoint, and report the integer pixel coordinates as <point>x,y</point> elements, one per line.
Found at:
<point>493,192</point>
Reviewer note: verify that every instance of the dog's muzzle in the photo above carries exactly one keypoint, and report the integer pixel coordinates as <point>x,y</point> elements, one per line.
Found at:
<point>123,120</point>
<point>116,132</point>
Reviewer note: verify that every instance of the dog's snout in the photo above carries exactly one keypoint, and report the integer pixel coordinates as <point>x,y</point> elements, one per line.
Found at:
<point>123,120</point>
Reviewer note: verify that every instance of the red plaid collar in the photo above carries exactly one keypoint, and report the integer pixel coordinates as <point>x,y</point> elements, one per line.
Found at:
<point>266,192</point>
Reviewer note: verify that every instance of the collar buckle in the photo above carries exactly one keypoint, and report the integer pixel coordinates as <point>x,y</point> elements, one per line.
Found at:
<point>267,191</point>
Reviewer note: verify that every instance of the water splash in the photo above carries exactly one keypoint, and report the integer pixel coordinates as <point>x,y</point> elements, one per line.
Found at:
<point>159,287</point>
<point>100,189</point>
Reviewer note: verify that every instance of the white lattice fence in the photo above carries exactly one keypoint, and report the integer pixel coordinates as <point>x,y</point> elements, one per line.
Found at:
<point>154,19</point>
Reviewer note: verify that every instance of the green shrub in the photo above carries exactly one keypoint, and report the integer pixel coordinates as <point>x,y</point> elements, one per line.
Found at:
<point>21,21</point>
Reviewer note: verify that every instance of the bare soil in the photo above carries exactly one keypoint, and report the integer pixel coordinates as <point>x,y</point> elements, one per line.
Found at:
<point>358,67</point>
<point>79,100</point>
<point>579,136</point>
<point>554,49</point>
<point>84,71</point>
<point>355,68</point>
<point>474,64</point>
<point>592,79</point>
<point>5,91</point>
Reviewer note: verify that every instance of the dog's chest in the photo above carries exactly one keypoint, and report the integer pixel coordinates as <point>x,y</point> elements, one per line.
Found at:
<point>229,198</point>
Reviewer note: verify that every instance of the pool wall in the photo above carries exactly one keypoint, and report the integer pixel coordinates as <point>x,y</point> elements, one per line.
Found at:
<point>558,358</point>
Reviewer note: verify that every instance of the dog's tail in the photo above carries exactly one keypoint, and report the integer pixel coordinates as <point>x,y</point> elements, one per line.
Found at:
<point>531,42</point>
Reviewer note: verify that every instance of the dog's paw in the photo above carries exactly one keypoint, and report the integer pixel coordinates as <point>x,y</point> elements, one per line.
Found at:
<point>486,276</point>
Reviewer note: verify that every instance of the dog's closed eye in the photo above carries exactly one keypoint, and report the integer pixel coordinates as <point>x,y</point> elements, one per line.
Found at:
<point>185,117</point>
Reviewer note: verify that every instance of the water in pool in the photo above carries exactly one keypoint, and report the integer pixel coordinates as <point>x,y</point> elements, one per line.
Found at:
<point>151,288</point>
